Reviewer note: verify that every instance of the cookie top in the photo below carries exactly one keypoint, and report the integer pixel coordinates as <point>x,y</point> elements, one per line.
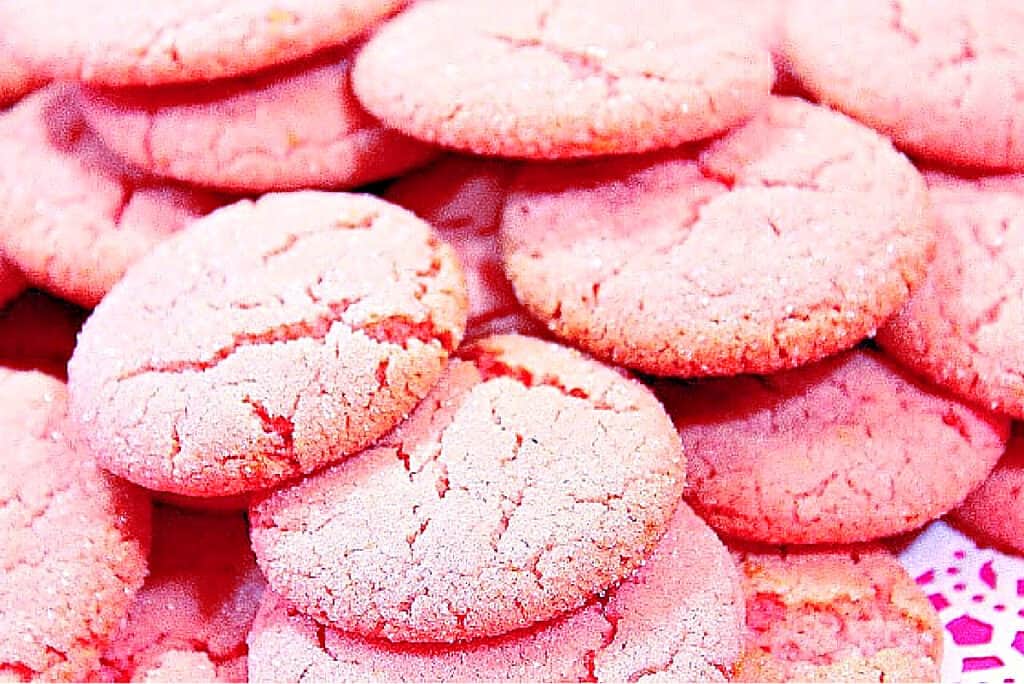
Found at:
<point>996,508</point>
<point>835,614</point>
<point>679,617</point>
<point>196,606</point>
<point>265,341</point>
<point>849,449</point>
<point>962,327</point>
<point>12,282</point>
<point>543,79</point>
<point>528,481</point>
<point>73,551</point>
<point>166,41</point>
<point>72,216</point>
<point>297,126</point>
<point>646,261</point>
<point>462,198</point>
<point>942,78</point>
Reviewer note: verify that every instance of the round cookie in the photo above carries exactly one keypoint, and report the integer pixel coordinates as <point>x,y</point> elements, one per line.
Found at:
<point>37,330</point>
<point>678,618</point>
<point>72,216</point>
<point>849,449</point>
<point>264,341</point>
<point>74,543</point>
<point>835,614</point>
<point>944,79</point>
<point>166,41</point>
<point>647,261</point>
<point>462,198</point>
<point>996,508</point>
<point>543,79</point>
<point>193,613</point>
<point>12,282</point>
<point>962,327</point>
<point>297,126</point>
<point>531,479</point>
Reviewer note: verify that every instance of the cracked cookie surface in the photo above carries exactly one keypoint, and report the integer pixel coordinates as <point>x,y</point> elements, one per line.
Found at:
<point>74,543</point>
<point>298,126</point>
<point>265,341</point>
<point>962,328</point>
<point>944,79</point>
<point>650,261</point>
<point>73,217</point>
<point>529,480</point>
<point>849,449</point>
<point>678,617</point>
<point>996,508</point>
<point>562,78</point>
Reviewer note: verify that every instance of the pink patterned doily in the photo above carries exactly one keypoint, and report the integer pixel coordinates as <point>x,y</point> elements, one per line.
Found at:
<point>979,593</point>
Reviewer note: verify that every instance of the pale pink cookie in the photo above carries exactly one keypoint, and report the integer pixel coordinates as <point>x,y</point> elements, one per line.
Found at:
<point>462,198</point>
<point>850,449</point>
<point>167,41</point>
<point>74,542</point>
<point>943,78</point>
<point>531,479</point>
<point>37,330</point>
<point>963,327</point>
<point>265,341</point>
<point>789,239</point>
<point>996,508</point>
<point>12,282</point>
<point>678,618</point>
<point>72,216</point>
<point>297,126</point>
<point>835,614</point>
<point>546,79</point>
<point>193,614</point>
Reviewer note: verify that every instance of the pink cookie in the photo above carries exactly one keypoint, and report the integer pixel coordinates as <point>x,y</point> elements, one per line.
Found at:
<point>265,341</point>
<point>545,79</point>
<point>293,127</point>
<point>462,198</point>
<point>996,508</point>
<point>12,282</point>
<point>678,618</point>
<point>16,80</point>
<point>963,327</point>
<point>74,542</point>
<point>789,239</point>
<point>531,479</point>
<point>943,78</point>
<point>849,449</point>
<point>193,613</point>
<point>167,41</point>
<point>72,216</point>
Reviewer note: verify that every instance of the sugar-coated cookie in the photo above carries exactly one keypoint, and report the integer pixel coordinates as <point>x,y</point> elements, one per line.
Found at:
<point>962,328</point>
<point>678,618</point>
<point>545,79</point>
<point>297,126</point>
<point>996,508</point>
<point>852,448</point>
<point>944,79</point>
<point>834,614</point>
<point>264,341</point>
<point>530,480</point>
<point>788,239</point>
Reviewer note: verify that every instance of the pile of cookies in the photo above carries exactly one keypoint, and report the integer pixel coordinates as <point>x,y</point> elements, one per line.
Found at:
<point>658,328</point>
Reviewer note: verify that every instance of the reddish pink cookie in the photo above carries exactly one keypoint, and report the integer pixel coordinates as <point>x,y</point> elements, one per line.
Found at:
<point>462,198</point>
<point>265,341</point>
<point>167,41</point>
<point>37,330</point>
<point>293,127</point>
<point>12,282</point>
<point>789,239</point>
<point>962,329</point>
<point>72,216</point>
<point>678,618</point>
<point>531,479</point>
<point>849,449</point>
<point>943,78</point>
<point>996,508</point>
<point>194,611</point>
<point>74,542</point>
<point>545,79</point>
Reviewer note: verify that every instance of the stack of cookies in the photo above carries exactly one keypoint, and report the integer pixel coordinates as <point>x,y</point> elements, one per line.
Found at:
<point>656,327</point>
